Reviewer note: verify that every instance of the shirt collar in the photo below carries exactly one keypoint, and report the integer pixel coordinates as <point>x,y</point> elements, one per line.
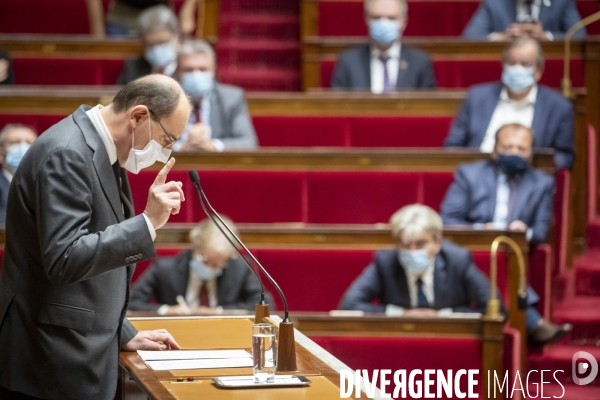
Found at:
<point>529,100</point>
<point>98,122</point>
<point>392,52</point>
<point>169,70</point>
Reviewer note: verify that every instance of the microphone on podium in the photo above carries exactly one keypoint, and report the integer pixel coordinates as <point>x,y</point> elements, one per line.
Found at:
<point>286,354</point>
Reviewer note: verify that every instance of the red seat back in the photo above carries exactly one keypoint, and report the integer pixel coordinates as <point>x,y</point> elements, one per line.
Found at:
<point>57,71</point>
<point>39,123</point>
<point>561,219</point>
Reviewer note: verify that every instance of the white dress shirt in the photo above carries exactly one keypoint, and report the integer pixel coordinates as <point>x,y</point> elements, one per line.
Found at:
<point>393,64</point>
<point>169,70</point>
<point>7,174</point>
<point>502,198</point>
<point>507,112</point>
<point>428,290</point>
<point>205,117</point>
<point>523,11</point>
<point>109,143</point>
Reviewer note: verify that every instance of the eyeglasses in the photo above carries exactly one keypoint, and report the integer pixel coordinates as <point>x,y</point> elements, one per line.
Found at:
<point>172,139</point>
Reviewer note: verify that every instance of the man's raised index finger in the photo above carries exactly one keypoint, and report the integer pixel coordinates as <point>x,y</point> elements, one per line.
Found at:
<point>161,178</point>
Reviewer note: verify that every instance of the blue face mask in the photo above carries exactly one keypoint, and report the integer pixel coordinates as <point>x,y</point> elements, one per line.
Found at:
<point>15,153</point>
<point>160,56</point>
<point>205,273</point>
<point>512,165</point>
<point>414,261</point>
<point>384,31</point>
<point>197,83</point>
<point>518,78</point>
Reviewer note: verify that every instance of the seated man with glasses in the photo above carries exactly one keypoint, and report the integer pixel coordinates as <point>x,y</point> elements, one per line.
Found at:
<point>209,278</point>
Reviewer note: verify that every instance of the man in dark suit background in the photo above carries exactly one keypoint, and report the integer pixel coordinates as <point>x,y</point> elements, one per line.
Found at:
<point>72,238</point>
<point>220,120</point>
<point>7,74</point>
<point>210,277</point>
<point>385,65</point>
<point>503,192</point>
<point>15,140</point>
<point>427,276</point>
<point>539,19</point>
<point>517,99</point>
<point>159,32</point>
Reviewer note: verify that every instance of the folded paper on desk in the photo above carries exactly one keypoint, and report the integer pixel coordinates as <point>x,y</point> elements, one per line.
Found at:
<point>196,359</point>
<point>191,354</point>
<point>209,363</point>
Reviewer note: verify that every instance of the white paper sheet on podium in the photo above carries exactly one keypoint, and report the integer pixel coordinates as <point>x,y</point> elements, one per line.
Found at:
<point>195,359</point>
<point>191,354</point>
<point>205,363</point>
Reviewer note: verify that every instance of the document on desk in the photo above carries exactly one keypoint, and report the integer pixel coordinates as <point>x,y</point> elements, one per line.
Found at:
<point>196,359</point>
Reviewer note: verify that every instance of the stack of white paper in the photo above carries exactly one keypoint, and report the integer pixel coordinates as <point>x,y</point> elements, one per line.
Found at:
<point>195,359</point>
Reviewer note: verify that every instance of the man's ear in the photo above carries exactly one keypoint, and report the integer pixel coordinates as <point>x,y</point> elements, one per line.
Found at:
<point>137,114</point>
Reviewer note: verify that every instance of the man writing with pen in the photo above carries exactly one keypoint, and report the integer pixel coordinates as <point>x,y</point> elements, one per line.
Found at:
<point>206,279</point>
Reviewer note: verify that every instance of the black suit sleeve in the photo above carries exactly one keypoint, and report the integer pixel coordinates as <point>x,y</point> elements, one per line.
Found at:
<point>70,251</point>
<point>477,288</point>
<point>341,75</point>
<point>250,295</point>
<point>145,290</point>
<point>543,215</point>
<point>128,332</point>
<point>456,203</point>
<point>458,135</point>
<point>363,291</point>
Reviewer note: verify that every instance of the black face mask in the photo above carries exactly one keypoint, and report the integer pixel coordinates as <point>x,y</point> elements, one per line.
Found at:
<point>512,165</point>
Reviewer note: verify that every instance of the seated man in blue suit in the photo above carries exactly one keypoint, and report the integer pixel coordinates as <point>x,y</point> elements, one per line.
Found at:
<point>542,20</point>
<point>209,278</point>
<point>517,99</point>
<point>503,192</point>
<point>427,276</point>
<point>385,65</point>
<point>15,140</point>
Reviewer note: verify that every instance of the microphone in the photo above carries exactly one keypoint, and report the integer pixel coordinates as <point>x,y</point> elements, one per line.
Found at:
<point>262,308</point>
<point>286,355</point>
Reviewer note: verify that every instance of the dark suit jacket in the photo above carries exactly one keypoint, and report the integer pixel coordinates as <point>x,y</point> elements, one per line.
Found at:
<point>4,186</point>
<point>134,68</point>
<point>167,278</point>
<point>67,265</point>
<point>457,283</point>
<point>497,15</point>
<point>552,121</point>
<point>472,198</point>
<point>353,69</point>
<point>10,79</point>
<point>229,118</point>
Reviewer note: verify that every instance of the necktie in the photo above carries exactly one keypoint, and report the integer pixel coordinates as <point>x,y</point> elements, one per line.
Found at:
<point>387,87</point>
<point>198,113</point>
<point>127,206</point>
<point>203,296</point>
<point>529,8</point>
<point>421,298</point>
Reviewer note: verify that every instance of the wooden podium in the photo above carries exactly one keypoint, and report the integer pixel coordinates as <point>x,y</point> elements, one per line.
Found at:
<point>138,381</point>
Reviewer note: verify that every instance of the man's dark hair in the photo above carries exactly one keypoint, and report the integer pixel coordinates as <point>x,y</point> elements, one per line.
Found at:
<point>160,97</point>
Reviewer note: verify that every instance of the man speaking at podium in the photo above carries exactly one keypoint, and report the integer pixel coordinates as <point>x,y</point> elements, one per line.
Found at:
<point>72,239</point>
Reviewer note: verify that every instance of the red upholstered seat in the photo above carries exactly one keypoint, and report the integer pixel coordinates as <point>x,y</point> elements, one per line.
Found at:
<point>399,132</point>
<point>312,280</point>
<point>304,131</point>
<point>51,71</point>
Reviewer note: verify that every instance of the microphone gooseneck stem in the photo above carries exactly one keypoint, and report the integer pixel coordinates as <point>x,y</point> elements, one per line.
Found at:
<point>264,271</point>
<point>262,288</point>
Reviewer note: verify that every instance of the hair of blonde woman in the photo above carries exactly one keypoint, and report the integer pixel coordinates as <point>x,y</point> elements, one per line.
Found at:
<point>411,221</point>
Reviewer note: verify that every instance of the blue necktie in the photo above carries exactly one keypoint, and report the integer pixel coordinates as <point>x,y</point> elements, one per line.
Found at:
<point>387,86</point>
<point>421,298</point>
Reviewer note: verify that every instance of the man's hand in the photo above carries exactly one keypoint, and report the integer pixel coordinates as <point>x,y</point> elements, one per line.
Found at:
<point>164,198</point>
<point>517,226</point>
<point>178,309</point>
<point>534,29</point>
<point>513,31</point>
<point>420,313</point>
<point>198,139</point>
<point>3,69</point>
<point>159,339</point>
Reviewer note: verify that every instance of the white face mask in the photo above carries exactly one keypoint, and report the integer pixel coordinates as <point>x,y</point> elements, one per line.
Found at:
<point>153,152</point>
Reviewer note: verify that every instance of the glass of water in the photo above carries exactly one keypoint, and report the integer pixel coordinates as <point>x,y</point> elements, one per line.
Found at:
<point>264,353</point>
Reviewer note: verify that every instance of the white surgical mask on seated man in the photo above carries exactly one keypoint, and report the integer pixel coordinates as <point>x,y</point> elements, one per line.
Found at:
<point>384,31</point>
<point>197,83</point>
<point>518,78</point>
